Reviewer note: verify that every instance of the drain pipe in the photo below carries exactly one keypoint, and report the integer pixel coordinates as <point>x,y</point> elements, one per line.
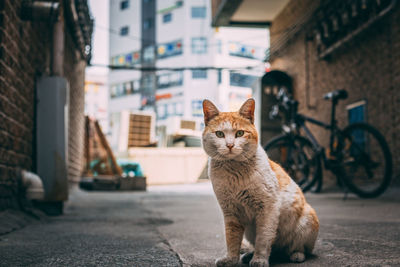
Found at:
<point>33,185</point>
<point>57,64</point>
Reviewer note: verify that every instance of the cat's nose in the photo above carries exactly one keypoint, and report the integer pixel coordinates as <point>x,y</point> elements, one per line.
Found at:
<point>230,146</point>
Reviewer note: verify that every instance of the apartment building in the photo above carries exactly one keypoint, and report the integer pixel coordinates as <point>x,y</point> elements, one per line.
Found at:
<point>184,60</point>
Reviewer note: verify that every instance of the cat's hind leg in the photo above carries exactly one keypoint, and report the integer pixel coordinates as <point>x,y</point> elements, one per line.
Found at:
<point>305,235</point>
<point>297,257</point>
<point>247,249</point>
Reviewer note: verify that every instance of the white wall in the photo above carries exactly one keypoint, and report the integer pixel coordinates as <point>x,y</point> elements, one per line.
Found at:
<point>170,165</point>
<point>100,40</point>
<point>122,45</point>
<point>128,17</point>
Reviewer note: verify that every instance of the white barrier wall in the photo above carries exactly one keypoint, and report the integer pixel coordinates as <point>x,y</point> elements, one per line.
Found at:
<point>170,165</point>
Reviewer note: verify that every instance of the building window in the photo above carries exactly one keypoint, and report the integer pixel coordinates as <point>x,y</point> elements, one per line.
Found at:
<point>169,49</point>
<point>125,89</point>
<point>197,108</point>
<point>199,12</point>
<point>199,45</point>
<point>219,76</point>
<point>179,108</point>
<point>167,18</point>
<point>124,31</point>
<point>113,91</point>
<point>147,81</point>
<point>124,4</point>
<point>128,88</point>
<point>120,90</point>
<point>161,111</point>
<point>247,51</point>
<point>219,46</point>
<point>171,109</point>
<point>147,24</point>
<point>170,80</point>
<point>199,74</point>
<point>242,80</point>
<point>149,54</point>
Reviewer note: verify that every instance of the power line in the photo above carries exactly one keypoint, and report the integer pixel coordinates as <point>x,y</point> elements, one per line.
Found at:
<point>136,38</point>
<point>113,31</point>
<point>153,69</point>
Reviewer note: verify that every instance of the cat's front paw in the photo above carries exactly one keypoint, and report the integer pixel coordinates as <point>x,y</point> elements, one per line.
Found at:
<point>227,261</point>
<point>259,262</point>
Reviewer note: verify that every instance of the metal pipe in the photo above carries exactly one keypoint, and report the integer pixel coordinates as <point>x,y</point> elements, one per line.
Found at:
<point>33,185</point>
<point>58,48</point>
<point>39,11</point>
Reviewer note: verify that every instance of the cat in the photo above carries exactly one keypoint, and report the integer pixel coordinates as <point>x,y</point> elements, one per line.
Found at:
<point>258,199</point>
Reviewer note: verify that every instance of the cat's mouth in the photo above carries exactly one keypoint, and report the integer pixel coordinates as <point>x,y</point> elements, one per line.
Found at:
<point>230,153</point>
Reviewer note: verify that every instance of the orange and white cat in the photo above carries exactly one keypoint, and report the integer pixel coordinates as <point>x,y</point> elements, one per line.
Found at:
<point>258,199</point>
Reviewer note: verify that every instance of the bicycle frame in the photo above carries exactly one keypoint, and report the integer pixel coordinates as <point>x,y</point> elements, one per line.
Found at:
<point>300,120</point>
<point>345,150</point>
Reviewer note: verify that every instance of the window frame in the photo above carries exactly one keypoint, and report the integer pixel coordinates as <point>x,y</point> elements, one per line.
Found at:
<point>149,22</point>
<point>199,77</point>
<point>121,30</point>
<point>124,4</point>
<point>164,16</point>
<point>202,15</point>
<point>196,48</point>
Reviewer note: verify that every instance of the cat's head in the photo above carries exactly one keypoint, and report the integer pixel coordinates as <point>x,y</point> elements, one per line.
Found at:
<point>230,135</point>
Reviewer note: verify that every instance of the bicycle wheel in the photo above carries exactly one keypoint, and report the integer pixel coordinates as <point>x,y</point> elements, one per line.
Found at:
<point>298,157</point>
<point>366,160</point>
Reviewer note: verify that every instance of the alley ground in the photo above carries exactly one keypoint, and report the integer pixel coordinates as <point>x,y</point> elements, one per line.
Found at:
<point>182,225</point>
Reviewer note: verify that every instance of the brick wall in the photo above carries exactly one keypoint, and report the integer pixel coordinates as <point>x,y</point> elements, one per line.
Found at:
<point>368,67</point>
<point>74,71</point>
<point>23,54</point>
<point>25,49</point>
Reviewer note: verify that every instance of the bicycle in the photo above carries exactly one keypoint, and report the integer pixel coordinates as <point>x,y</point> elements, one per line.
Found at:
<point>358,155</point>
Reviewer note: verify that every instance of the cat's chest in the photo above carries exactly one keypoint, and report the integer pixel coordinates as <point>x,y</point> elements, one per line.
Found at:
<point>231,172</point>
<point>239,197</point>
<point>240,203</point>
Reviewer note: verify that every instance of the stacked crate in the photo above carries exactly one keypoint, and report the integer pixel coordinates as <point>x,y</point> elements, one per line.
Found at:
<point>140,128</point>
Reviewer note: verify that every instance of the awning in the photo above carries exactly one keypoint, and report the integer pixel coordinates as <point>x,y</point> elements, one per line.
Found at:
<point>245,13</point>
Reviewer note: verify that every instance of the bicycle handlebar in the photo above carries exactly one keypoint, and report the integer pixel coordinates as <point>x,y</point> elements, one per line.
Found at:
<point>335,95</point>
<point>288,105</point>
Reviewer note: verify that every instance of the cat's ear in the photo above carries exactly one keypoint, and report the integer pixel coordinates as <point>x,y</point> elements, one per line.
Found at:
<point>247,109</point>
<point>210,111</point>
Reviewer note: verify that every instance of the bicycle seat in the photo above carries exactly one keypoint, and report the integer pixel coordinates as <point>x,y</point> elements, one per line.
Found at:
<point>336,95</point>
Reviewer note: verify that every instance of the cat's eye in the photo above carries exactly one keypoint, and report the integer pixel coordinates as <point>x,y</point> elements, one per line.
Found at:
<point>219,134</point>
<point>239,133</point>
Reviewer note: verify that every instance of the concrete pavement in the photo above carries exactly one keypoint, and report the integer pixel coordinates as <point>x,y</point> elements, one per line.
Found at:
<point>354,232</point>
<point>182,225</point>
